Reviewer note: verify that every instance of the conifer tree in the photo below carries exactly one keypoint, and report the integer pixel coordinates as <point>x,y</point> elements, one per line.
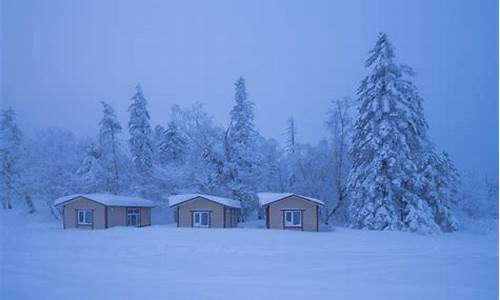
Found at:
<point>241,149</point>
<point>389,136</point>
<point>140,140</point>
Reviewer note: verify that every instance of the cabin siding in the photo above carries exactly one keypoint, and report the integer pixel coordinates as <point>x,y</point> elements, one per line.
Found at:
<point>69,213</point>
<point>104,216</point>
<point>117,216</point>
<point>275,216</point>
<point>145,216</point>
<point>217,213</point>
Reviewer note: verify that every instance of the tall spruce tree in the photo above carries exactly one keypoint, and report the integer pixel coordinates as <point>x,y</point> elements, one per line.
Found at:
<point>109,144</point>
<point>389,137</point>
<point>241,149</point>
<point>140,140</point>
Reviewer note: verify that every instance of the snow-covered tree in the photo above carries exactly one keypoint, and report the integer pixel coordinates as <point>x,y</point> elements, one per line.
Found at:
<point>291,135</point>
<point>203,167</point>
<point>158,140</point>
<point>313,170</point>
<point>10,147</point>
<point>109,144</point>
<point>478,198</point>
<point>91,174</point>
<point>140,140</point>
<point>291,148</point>
<point>273,168</point>
<point>454,179</point>
<point>170,144</point>
<point>104,164</point>
<point>389,135</point>
<point>438,187</point>
<point>339,124</point>
<point>52,158</point>
<point>241,149</point>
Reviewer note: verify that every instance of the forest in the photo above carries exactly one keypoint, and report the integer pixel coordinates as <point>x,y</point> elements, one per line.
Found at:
<point>376,167</point>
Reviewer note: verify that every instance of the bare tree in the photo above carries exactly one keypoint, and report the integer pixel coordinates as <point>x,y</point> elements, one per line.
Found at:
<point>339,124</point>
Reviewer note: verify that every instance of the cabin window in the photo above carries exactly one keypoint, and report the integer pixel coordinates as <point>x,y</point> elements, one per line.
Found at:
<point>133,216</point>
<point>201,219</point>
<point>85,216</point>
<point>293,218</point>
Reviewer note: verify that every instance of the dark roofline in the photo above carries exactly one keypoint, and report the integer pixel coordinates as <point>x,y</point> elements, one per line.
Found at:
<point>298,196</point>
<point>198,196</point>
<point>82,196</point>
<point>79,196</point>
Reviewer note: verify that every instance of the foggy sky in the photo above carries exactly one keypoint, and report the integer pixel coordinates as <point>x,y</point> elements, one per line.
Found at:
<point>60,58</point>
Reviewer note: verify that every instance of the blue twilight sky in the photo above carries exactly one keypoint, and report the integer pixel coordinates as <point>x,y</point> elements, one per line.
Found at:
<point>59,58</point>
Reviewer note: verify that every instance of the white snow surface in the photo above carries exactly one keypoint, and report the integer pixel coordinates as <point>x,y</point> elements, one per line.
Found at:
<point>266,198</point>
<point>109,200</point>
<point>176,199</point>
<point>40,260</point>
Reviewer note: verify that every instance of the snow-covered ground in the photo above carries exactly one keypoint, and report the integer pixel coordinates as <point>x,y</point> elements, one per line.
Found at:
<point>39,260</point>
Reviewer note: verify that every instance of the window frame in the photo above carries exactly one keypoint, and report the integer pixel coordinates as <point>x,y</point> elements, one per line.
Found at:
<point>293,213</point>
<point>136,211</point>
<point>86,213</point>
<point>199,224</point>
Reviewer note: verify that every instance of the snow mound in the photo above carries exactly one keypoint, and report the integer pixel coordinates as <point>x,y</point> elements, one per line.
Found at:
<point>109,200</point>
<point>178,199</point>
<point>266,198</point>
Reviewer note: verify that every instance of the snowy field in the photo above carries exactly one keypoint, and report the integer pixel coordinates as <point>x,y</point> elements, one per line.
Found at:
<point>39,260</point>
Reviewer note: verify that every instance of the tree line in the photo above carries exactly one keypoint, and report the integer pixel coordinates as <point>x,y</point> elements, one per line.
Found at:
<point>377,168</point>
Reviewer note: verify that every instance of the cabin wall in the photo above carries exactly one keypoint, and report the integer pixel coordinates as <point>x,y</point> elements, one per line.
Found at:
<point>275,213</point>
<point>69,211</point>
<point>117,216</point>
<point>199,204</point>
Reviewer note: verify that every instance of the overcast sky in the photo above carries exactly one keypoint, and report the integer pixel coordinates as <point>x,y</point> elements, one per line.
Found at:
<point>60,58</point>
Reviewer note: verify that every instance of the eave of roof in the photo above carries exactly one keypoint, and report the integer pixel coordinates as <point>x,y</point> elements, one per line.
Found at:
<point>282,196</point>
<point>177,200</point>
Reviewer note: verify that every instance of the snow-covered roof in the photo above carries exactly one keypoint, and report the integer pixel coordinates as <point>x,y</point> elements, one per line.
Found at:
<point>178,199</point>
<point>266,198</point>
<point>109,200</point>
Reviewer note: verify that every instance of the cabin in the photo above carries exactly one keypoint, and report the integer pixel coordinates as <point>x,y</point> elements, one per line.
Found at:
<point>99,211</point>
<point>205,211</point>
<point>290,211</point>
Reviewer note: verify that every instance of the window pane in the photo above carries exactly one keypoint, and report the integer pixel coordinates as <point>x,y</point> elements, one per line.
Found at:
<point>204,219</point>
<point>88,217</point>
<point>80,217</point>
<point>288,216</point>
<point>196,218</point>
<point>296,218</point>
